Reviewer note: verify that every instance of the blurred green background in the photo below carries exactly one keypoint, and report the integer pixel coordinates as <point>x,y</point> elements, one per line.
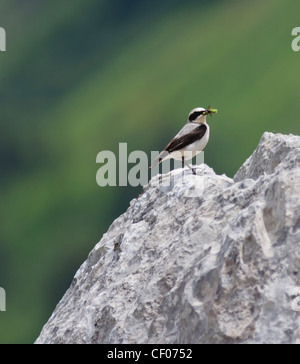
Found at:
<point>80,76</point>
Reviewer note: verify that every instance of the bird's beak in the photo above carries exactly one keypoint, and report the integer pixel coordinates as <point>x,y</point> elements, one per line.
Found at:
<point>210,111</point>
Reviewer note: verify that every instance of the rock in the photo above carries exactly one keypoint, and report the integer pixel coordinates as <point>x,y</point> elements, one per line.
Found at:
<point>202,259</point>
<point>273,149</point>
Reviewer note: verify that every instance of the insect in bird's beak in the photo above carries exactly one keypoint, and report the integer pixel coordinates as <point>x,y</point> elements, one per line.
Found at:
<point>210,111</point>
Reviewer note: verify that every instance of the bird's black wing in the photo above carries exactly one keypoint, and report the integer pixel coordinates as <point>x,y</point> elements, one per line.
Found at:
<point>184,140</point>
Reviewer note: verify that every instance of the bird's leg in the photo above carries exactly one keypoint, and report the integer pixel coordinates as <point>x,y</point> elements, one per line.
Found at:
<point>182,165</point>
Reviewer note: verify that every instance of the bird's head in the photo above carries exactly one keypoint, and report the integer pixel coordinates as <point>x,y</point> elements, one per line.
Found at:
<point>198,115</point>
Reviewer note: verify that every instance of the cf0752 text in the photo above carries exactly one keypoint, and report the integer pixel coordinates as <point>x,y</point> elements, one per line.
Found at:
<point>171,353</point>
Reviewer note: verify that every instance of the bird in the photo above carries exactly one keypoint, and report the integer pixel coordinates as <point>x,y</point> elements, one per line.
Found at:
<point>190,140</point>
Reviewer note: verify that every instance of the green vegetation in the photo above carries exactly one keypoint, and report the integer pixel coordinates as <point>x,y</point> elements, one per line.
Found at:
<point>79,77</point>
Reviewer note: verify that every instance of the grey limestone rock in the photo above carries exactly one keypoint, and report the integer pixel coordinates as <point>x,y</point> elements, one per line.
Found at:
<point>196,259</point>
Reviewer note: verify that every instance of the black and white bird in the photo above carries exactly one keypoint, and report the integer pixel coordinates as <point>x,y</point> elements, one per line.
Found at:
<point>190,140</point>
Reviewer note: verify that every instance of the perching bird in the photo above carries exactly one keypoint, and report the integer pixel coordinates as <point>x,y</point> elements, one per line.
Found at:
<point>191,139</point>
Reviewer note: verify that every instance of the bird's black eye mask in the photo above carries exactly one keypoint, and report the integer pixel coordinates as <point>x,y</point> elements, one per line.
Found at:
<point>195,114</point>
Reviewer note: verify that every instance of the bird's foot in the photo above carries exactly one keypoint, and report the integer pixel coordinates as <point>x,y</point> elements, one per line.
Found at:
<point>192,169</point>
